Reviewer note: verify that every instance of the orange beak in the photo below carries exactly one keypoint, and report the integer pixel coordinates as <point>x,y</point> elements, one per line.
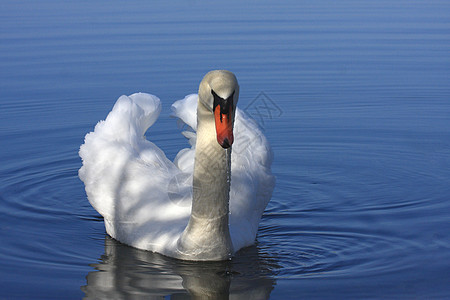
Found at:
<point>224,117</point>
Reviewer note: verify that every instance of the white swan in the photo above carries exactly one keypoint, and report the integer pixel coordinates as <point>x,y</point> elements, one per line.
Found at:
<point>184,209</point>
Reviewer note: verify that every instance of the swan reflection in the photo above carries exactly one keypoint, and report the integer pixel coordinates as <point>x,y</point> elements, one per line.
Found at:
<point>125,272</point>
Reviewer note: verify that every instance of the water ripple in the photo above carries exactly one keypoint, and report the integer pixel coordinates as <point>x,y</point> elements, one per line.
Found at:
<point>328,252</point>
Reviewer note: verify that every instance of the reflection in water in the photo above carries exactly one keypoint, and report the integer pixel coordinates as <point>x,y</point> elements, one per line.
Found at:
<point>125,272</point>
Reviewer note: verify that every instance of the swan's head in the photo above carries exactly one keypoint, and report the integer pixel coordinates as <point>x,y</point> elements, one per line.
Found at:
<point>219,93</point>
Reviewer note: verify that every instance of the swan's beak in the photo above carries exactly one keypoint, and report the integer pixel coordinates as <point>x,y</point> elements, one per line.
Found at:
<point>224,117</point>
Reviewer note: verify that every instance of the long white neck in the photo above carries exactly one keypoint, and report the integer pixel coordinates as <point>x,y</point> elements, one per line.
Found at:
<point>207,236</point>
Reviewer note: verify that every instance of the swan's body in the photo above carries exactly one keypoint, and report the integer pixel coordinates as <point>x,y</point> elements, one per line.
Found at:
<point>186,208</point>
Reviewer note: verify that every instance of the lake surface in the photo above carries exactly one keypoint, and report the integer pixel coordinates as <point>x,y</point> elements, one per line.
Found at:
<point>353,96</point>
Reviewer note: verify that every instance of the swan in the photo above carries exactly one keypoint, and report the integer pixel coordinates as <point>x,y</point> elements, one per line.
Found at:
<point>203,206</point>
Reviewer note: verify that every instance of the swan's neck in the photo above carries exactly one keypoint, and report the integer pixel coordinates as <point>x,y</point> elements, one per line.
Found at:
<point>207,235</point>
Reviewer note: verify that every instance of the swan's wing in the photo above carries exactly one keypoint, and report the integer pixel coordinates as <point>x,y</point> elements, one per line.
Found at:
<point>186,112</point>
<point>252,181</point>
<point>144,198</point>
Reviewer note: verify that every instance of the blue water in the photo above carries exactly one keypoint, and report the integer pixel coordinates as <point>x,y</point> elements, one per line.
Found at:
<point>354,97</point>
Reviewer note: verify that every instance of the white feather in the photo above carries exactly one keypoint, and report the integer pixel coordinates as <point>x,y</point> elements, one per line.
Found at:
<point>145,198</point>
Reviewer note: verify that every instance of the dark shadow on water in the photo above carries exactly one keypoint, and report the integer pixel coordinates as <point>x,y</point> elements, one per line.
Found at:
<point>124,272</point>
